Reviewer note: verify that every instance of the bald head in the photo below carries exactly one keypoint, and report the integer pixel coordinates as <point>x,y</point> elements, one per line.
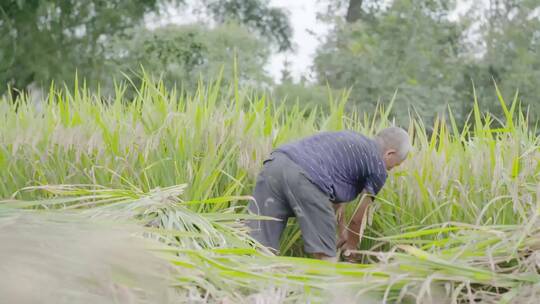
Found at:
<point>395,145</point>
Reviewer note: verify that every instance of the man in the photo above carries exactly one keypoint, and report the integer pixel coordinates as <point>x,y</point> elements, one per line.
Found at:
<point>312,177</point>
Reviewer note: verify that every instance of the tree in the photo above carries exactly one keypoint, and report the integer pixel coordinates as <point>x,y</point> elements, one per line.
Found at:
<point>271,23</point>
<point>183,54</point>
<point>511,37</point>
<point>409,46</point>
<point>433,60</point>
<point>286,75</point>
<point>45,40</point>
<point>354,11</point>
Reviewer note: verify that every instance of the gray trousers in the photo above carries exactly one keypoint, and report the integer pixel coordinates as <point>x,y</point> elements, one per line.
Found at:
<point>284,190</point>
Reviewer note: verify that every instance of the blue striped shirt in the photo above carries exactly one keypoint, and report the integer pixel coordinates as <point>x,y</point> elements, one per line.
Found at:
<point>341,164</point>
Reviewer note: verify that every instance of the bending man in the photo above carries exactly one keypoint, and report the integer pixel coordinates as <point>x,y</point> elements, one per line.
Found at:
<point>311,178</point>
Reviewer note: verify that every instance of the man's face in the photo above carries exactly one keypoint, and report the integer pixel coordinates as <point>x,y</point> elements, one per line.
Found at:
<point>392,159</point>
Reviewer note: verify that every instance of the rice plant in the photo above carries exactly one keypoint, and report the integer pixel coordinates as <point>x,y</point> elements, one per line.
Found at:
<point>173,171</point>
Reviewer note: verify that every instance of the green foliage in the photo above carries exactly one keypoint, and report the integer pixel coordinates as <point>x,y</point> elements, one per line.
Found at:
<point>184,54</point>
<point>434,60</point>
<point>511,56</point>
<point>42,41</point>
<point>308,96</point>
<point>405,48</point>
<point>271,23</point>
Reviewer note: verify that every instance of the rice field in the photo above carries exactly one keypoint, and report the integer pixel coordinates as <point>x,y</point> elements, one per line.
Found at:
<point>140,198</point>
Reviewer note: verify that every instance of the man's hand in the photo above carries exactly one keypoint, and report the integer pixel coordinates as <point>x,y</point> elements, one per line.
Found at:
<point>354,231</point>
<point>349,237</point>
<point>347,253</point>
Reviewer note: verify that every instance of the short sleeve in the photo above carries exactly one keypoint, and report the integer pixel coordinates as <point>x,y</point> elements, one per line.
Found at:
<point>374,183</point>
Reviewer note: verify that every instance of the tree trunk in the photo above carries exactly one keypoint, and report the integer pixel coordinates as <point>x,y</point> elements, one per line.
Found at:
<point>354,12</point>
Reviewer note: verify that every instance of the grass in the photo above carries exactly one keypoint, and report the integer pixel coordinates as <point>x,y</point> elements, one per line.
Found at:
<point>172,171</point>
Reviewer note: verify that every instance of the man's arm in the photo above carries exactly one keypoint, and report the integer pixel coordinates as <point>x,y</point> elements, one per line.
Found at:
<point>354,235</point>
